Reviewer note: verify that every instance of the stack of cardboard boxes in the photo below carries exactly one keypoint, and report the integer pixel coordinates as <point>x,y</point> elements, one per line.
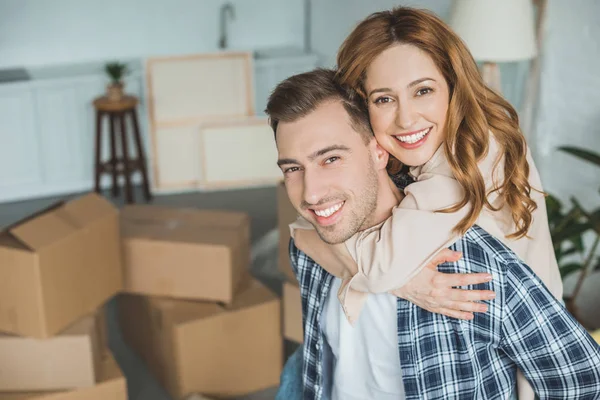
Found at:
<point>291,303</point>
<point>192,312</point>
<point>57,269</point>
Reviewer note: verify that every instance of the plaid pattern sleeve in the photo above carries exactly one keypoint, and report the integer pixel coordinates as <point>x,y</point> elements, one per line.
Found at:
<point>446,358</point>
<point>314,284</point>
<point>556,354</point>
<point>525,327</point>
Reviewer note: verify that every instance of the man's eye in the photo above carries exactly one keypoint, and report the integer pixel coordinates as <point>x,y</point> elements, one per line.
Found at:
<point>331,159</point>
<point>290,169</point>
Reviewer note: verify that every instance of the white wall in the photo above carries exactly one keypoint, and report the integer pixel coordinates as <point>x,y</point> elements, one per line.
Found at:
<point>38,32</point>
<point>333,20</point>
<point>569,109</point>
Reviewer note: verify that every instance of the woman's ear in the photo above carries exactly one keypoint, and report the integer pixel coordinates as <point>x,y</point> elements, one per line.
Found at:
<point>380,155</point>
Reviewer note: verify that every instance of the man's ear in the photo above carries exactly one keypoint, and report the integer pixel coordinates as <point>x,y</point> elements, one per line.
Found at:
<point>380,155</point>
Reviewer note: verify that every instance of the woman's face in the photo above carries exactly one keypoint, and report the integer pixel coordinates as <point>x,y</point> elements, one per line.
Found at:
<point>408,100</point>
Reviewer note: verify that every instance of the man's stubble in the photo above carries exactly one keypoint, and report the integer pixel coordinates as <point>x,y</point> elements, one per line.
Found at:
<point>359,217</point>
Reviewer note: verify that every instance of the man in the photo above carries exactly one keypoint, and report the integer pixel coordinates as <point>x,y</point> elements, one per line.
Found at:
<point>335,176</point>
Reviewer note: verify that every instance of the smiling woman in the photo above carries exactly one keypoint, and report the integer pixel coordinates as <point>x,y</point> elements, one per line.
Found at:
<point>429,108</point>
<point>408,100</point>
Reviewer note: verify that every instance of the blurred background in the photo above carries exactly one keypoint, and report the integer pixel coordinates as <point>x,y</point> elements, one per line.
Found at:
<point>167,98</point>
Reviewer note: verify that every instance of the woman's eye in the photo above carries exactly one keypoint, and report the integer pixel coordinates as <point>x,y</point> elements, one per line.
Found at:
<point>424,91</point>
<point>331,159</point>
<point>382,100</point>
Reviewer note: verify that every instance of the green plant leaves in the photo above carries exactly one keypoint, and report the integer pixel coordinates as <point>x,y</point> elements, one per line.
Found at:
<point>586,155</point>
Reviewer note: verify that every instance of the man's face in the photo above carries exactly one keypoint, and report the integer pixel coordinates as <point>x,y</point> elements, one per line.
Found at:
<point>330,174</point>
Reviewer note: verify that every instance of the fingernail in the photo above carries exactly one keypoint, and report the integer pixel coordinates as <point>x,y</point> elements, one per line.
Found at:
<point>491,296</point>
<point>488,277</point>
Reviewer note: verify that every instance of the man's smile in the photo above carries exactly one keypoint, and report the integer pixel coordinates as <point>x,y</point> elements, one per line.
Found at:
<point>328,215</point>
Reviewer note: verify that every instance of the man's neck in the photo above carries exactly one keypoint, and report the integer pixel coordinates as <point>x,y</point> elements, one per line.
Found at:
<point>388,197</point>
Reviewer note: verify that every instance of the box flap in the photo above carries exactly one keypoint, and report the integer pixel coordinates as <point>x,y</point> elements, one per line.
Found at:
<point>83,326</point>
<point>109,371</point>
<point>110,368</point>
<point>44,230</point>
<point>251,294</point>
<point>181,311</point>
<point>51,224</point>
<point>88,208</point>
<point>182,225</point>
<point>197,217</point>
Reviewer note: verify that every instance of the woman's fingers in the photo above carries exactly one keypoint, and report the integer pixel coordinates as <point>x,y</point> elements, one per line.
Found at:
<point>445,255</point>
<point>468,306</point>
<point>455,314</point>
<point>452,280</point>
<point>470,295</point>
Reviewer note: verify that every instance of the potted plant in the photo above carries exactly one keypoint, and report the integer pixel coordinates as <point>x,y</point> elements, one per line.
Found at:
<point>567,228</point>
<point>116,71</point>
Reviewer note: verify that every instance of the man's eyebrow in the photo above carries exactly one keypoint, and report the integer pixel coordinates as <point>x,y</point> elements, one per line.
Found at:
<point>410,85</point>
<point>328,149</point>
<point>284,161</point>
<point>318,153</point>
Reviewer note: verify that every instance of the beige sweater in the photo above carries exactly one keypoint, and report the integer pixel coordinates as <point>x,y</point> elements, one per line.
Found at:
<point>388,255</point>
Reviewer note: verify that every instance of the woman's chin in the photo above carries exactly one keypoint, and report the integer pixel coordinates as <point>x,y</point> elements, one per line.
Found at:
<point>415,158</point>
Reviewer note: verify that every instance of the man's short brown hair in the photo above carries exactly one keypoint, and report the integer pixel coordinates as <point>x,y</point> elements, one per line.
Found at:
<point>301,94</point>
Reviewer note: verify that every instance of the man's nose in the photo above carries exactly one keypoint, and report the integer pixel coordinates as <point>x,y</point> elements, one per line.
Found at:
<point>406,116</point>
<point>315,187</point>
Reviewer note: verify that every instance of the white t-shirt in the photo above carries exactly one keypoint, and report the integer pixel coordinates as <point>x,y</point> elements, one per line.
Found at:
<point>366,363</point>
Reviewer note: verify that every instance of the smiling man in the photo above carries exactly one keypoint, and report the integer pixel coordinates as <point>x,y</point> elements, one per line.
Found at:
<point>336,178</point>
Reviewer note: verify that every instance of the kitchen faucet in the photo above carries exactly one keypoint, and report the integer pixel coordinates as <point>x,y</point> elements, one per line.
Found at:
<point>225,8</point>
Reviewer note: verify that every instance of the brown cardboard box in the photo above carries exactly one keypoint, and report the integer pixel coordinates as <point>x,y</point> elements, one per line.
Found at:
<point>286,214</point>
<point>111,386</point>
<point>292,313</point>
<point>102,327</point>
<point>204,347</point>
<point>58,266</point>
<point>184,253</point>
<point>69,360</point>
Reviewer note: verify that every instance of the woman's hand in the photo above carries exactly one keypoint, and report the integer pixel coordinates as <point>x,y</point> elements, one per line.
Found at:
<point>434,291</point>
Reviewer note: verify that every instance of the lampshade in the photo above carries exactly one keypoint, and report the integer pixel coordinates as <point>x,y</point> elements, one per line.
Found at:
<point>496,30</point>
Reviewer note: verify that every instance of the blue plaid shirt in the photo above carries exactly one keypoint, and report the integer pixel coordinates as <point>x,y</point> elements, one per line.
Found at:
<point>445,358</point>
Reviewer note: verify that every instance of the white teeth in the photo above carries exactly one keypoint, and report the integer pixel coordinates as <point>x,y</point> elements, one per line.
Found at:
<point>329,211</point>
<point>415,137</point>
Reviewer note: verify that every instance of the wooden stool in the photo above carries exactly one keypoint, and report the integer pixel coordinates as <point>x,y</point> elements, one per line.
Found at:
<point>117,111</point>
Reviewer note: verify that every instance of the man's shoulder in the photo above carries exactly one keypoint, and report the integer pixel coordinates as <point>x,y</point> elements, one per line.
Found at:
<point>301,262</point>
<point>483,252</point>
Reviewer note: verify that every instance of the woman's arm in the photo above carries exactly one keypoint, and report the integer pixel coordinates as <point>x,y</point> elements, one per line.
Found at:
<point>429,289</point>
<point>334,259</point>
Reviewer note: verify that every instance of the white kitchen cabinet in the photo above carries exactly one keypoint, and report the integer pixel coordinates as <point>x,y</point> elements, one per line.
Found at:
<point>19,144</point>
<point>47,128</point>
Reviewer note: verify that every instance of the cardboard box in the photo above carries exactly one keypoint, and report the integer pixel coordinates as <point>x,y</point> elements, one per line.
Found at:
<point>596,336</point>
<point>102,327</point>
<point>220,351</point>
<point>292,313</point>
<point>286,214</point>
<point>111,386</point>
<point>69,360</point>
<point>59,265</point>
<point>185,253</point>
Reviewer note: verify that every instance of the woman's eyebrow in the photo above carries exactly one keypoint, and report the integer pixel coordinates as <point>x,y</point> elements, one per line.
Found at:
<point>410,85</point>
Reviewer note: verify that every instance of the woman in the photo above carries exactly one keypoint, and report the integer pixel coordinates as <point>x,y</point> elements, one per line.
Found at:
<point>430,109</point>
